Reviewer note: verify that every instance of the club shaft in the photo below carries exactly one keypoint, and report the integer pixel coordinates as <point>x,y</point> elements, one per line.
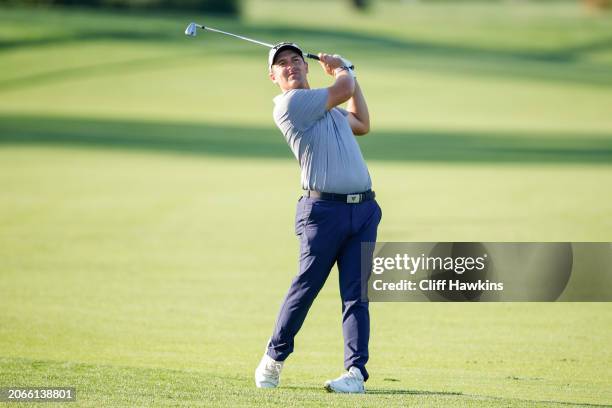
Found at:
<point>237,36</point>
<point>307,55</point>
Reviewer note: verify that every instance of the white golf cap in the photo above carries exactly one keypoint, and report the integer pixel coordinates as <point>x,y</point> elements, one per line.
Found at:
<point>282,47</point>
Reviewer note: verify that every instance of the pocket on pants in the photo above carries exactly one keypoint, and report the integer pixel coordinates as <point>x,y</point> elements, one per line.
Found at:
<point>302,214</point>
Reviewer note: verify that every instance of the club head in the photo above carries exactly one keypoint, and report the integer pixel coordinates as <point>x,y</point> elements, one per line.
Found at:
<point>191,30</point>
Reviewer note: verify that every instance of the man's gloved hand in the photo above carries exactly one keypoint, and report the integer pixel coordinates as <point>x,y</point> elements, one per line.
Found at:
<point>345,61</point>
<point>331,63</point>
<point>347,64</point>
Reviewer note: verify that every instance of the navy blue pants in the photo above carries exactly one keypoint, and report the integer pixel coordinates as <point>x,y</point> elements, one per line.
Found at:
<point>329,232</point>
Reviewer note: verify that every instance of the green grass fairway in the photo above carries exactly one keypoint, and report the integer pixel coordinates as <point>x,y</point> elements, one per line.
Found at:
<point>143,260</point>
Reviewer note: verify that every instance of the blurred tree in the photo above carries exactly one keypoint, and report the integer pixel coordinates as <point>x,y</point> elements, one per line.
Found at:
<point>598,4</point>
<point>360,4</point>
<point>215,6</point>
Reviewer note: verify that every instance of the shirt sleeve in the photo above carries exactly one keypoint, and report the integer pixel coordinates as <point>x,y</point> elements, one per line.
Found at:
<point>342,111</point>
<point>306,106</point>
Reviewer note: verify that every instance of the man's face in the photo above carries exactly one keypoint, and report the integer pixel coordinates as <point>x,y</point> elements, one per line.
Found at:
<point>289,71</point>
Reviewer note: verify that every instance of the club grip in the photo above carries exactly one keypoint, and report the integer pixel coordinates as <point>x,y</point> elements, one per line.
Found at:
<point>316,57</point>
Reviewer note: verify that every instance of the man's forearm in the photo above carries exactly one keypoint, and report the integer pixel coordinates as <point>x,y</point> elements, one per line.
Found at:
<point>357,106</point>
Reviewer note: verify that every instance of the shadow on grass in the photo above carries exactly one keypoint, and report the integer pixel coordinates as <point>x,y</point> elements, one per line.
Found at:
<point>96,70</point>
<point>156,33</point>
<point>410,392</point>
<point>265,143</point>
<point>383,391</point>
<point>463,396</point>
<point>480,397</point>
<point>105,383</point>
<point>94,28</point>
<point>560,64</point>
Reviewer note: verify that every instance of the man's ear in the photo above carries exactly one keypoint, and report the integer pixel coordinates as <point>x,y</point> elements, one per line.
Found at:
<point>306,66</point>
<point>271,76</point>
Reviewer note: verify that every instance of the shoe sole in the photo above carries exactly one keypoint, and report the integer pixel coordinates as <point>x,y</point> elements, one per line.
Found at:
<point>329,388</point>
<point>265,384</point>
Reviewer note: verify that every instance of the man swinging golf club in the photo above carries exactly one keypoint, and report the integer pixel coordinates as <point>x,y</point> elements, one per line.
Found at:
<point>336,213</point>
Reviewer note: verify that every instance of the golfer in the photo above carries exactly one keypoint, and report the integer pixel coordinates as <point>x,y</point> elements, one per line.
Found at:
<point>336,213</point>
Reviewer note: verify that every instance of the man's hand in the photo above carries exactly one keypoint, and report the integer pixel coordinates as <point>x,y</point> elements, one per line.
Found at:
<point>330,63</point>
<point>346,89</point>
<point>346,62</point>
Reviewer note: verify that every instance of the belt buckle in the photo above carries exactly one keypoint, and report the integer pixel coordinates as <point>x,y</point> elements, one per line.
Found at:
<point>353,198</point>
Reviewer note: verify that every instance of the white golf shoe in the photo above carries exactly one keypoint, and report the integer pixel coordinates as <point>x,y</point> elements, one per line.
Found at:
<point>350,382</point>
<point>267,374</point>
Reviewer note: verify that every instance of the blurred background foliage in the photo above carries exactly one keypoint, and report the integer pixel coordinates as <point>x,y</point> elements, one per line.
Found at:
<point>230,7</point>
<point>233,7</point>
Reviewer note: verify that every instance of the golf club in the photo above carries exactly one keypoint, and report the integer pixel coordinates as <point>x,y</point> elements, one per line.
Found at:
<point>192,28</point>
